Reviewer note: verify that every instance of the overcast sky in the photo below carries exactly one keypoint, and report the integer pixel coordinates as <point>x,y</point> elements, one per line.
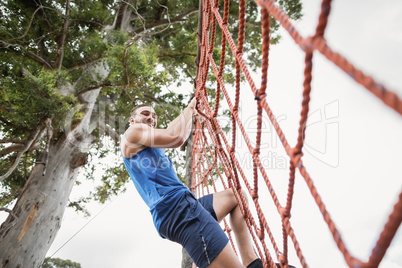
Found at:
<point>352,152</point>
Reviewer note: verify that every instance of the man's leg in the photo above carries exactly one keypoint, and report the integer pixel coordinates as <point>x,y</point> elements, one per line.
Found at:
<point>224,203</point>
<point>226,259</point>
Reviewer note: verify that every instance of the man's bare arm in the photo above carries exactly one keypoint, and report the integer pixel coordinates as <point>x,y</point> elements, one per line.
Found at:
<point>181,125</point>
<point>173,136</point>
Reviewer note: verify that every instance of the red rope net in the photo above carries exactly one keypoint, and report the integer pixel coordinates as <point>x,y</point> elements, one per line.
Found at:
<point>215,157</point>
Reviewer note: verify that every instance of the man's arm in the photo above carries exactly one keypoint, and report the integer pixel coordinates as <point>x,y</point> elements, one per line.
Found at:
<point>173,136</point>
<point>181,125</point>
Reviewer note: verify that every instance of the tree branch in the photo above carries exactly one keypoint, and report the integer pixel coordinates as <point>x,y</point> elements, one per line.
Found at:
<point>39,60</point>
<point>30,22</point>
<point>17,159</point>
<point>11,223</point>
<point>18,145</point>
<point>11,141</point>
<point>161,23</point>
<point>85,22</point>
<point>175,56</point>
<point>49,25</point>
<point>109,131</point>
<point>62,38</point>
<point>8,123</point>
<point>10,149</point>
<point>119,15</point>
<point>106,84</point>
<point>125,62</point>
<point>256,25</point>
<point>29,54</point>
<point>122,27</point>
<point>85,63</point>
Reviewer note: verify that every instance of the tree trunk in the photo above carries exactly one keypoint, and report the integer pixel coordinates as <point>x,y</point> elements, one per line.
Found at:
<point>186,261</point>
<point>40,208</point>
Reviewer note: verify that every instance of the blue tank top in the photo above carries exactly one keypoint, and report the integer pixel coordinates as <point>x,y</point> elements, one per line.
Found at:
<point>156,181</point>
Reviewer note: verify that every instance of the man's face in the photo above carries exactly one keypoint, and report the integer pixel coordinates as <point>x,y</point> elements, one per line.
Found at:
<point>145,115</point>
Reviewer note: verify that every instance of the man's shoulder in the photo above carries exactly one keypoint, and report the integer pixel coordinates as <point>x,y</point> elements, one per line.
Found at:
<point>128,148</point>
<point>134,133</point>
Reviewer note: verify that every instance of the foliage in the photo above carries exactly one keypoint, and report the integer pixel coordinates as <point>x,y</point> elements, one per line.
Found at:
<point>49,60</point>
<point>59,263</point>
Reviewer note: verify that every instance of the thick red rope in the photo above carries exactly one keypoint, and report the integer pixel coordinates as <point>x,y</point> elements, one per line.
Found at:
<point>219,161</point>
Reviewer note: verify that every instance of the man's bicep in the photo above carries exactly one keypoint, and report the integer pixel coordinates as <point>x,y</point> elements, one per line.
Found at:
<point>162,138</point>
<point>152,137</point>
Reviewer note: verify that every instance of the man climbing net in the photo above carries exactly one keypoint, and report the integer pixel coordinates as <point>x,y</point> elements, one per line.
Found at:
<point>177,214</point>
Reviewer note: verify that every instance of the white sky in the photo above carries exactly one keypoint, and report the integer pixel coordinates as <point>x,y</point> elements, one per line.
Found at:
<point>352,152</point>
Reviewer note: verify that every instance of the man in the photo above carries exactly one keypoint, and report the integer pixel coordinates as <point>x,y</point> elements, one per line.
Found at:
<point>177,215</point>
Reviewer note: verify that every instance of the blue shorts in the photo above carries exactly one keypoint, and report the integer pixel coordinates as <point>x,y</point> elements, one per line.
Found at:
<point>193,224</point>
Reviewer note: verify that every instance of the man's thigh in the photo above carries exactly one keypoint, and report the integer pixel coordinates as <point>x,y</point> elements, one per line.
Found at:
<point>224,202</point>
<point>226,259</point>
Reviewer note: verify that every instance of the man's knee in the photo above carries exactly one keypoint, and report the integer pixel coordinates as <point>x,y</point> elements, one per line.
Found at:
<point>241,195</point>
<point>244,193</point>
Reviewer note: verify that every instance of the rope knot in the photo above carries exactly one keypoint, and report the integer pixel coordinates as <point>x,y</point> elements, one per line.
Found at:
<point>232,150</point>
<point>239,53</point>
<point>296,154</point>
<point>256,151</point>
<point>308,44</point>
<point>258,96</point>
<point>285,213</point>
<point>254,194</point>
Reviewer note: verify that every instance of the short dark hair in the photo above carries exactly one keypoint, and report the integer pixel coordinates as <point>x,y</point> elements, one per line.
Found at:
<point>137,107</point>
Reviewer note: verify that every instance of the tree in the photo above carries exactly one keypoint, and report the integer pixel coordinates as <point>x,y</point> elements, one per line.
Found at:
<point>59,263</point>
<point>70,73</point>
